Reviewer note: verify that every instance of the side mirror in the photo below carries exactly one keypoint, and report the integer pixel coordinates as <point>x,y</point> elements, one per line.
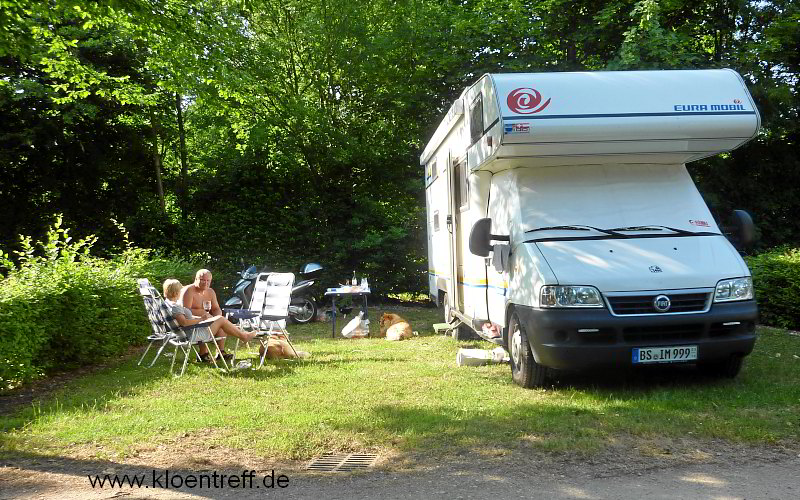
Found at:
<point>480,238</point>
<point>743,229</point>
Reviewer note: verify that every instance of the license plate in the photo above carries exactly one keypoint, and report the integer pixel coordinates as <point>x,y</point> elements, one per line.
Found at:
<point>672,354</point>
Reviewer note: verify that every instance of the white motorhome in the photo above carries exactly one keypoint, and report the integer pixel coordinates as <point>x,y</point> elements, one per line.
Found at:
<point>563,224</point>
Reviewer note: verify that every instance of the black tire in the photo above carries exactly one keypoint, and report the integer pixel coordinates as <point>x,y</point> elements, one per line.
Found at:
<point>309,311</point>
<point>726,368</point>
<point>525,371</point>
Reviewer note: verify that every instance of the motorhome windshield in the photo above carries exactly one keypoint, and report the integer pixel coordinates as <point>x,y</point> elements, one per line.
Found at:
<point>611,201</point>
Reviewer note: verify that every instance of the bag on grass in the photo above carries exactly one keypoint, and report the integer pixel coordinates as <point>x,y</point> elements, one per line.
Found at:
<point>355,328</point>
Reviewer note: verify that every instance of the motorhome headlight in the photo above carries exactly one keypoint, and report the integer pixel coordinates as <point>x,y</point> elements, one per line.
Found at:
<point>570,296</point>
<point>734,289</point>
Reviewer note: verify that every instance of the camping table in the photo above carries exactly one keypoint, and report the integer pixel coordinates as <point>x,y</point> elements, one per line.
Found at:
<point>335,293</point>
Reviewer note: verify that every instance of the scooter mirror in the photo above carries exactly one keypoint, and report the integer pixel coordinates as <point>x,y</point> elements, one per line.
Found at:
<point>310,267</point>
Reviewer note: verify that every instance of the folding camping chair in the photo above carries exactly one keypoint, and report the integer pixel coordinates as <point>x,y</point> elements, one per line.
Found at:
<point>151,304</point>
<point>271,297</point>
<point>168,331</point>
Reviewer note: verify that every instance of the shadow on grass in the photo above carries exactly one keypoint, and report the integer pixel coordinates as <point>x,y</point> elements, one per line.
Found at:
<point>636,379</point>
<point>579,412</point>
<point>76,391</point>
<point>80,390</point>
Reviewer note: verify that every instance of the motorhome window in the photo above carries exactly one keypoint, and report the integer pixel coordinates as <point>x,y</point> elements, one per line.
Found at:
<point>434,173</point>
<point>436,220</point>
<point>462,187</point>
<point>476,120</point>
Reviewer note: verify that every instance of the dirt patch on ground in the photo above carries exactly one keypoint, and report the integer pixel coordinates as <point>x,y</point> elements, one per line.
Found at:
<point>458,474</point>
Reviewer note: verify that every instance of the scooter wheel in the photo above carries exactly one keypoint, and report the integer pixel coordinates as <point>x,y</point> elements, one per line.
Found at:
<point>306,311</point>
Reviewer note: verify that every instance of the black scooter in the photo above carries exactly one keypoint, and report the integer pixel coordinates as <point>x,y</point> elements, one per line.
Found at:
<point>303,305</point>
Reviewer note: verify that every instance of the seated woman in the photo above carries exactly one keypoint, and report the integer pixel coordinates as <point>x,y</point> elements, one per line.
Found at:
<point>184,317</point>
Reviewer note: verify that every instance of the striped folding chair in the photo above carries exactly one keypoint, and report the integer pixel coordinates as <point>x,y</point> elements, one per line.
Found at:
<point>159,334</point>
<point>272,295</point>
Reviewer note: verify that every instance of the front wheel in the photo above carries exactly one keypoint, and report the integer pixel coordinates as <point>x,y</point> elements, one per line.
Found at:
<point>525,371</point>
<point>304,310</point>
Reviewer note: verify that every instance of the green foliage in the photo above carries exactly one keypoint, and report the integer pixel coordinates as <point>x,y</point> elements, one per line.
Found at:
<point>305,118</point>
<point>776,277</point>
<point>61,308</point>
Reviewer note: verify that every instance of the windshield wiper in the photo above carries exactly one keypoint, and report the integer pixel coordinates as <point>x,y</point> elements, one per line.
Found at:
<point>655,228</point>
<point>576,227</point>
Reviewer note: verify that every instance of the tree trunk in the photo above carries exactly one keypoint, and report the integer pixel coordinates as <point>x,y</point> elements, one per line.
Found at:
<point>157,164</point>
<point>184,168</point>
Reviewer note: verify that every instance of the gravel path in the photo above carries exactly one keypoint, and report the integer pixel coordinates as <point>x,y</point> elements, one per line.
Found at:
<point>755,474</point>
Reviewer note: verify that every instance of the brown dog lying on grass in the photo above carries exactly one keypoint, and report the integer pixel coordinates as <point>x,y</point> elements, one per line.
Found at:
<point>393,327</point>
<point>278,348</point>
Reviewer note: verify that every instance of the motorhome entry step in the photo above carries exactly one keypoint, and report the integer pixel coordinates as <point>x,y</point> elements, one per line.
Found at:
<point>330,462</point>
<point>442,328</point>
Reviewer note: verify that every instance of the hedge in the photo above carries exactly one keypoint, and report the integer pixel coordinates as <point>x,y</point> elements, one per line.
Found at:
<point>61,308</point>
<point>776,278</point>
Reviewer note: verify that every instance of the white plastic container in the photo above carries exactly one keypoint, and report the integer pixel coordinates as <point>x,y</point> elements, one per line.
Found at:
<point>479,357</point>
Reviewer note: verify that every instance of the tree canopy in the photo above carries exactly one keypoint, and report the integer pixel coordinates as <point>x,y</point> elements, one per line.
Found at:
<point>286,131</point>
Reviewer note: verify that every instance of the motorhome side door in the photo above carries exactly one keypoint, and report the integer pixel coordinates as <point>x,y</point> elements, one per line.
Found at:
<point>460,200</point>
<point>452,289</point>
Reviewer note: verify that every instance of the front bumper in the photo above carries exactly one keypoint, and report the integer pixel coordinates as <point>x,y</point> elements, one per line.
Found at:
<point>726,329</point>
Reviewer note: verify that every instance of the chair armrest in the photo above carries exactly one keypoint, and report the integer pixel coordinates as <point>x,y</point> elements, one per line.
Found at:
<point>240,313</point>
<point>272,317</point>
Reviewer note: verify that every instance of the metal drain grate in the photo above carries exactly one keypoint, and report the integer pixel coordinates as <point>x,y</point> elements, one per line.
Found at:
<point>330,462</point>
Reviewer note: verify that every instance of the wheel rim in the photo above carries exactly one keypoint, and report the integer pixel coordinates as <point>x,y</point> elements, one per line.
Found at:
<point>307,312</point>
<point>447,315</point>
<point>516,346</point>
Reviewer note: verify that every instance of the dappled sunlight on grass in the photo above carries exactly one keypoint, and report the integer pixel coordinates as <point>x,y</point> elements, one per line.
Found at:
<point>370,394</point>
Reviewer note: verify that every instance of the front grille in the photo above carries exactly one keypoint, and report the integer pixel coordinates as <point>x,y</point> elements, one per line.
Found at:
<point>643,304</point>
<point>662,333</point>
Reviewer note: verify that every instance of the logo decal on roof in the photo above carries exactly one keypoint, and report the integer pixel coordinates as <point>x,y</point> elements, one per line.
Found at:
<point>525,101</point>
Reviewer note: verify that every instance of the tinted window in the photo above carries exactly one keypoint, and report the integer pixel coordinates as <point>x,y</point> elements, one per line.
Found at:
<point>461,187</point>
<point>476,120</point>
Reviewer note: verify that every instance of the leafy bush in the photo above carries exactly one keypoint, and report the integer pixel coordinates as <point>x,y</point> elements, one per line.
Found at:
<point>776,276</point>
<point>61,308</point>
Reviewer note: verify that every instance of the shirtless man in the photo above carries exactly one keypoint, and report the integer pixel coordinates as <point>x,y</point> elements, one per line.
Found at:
<point>193,296</point>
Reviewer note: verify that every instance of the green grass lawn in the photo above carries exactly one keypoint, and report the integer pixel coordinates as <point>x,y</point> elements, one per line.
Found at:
<point>374,395</point>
